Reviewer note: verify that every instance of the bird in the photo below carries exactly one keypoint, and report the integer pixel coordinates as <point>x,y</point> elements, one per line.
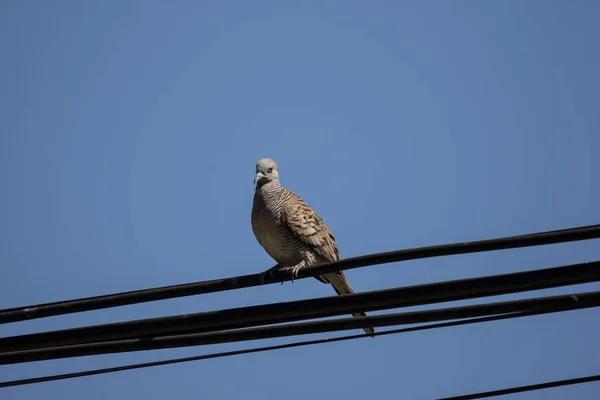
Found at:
<point>291,232</point>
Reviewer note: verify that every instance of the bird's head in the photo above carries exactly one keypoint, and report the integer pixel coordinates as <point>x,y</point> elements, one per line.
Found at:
<point>266,171</point>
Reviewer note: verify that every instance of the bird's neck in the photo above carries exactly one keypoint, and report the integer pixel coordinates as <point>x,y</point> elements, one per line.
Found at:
<point>269,190</point>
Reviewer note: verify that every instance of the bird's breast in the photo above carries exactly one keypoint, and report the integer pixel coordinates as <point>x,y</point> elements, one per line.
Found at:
<point>271,235</point>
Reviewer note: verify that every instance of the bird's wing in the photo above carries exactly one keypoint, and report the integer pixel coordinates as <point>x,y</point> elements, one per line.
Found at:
<point>307,226</point>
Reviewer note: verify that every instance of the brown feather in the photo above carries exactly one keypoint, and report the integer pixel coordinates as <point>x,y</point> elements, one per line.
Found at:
<point>307,226</point>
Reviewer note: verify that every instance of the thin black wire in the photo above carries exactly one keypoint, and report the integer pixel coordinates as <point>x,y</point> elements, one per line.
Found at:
<point>268,348</point>
<point>169,292</point>
<point>552,303</point>
<point>312,308</point>
<point>527,388</point>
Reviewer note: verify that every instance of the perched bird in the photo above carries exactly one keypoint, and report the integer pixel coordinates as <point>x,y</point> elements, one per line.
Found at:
<point>291,232</point>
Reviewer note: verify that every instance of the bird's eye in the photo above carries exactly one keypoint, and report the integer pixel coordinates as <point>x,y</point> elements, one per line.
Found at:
<point>270,169</point>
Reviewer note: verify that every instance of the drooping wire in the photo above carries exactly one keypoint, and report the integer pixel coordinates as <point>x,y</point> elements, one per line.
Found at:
<point>526,388</point>
<point>265,348</point>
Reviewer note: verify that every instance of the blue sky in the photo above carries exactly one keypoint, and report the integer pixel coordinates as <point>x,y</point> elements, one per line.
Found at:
<point>129,135</point>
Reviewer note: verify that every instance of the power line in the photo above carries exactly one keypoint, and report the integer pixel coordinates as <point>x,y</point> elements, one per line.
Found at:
<point>312,308</point>
<point>267,348</point>
<point>141,335</point>
<point>169,292</point>
<point>520,389</point>
<point>551,303</point>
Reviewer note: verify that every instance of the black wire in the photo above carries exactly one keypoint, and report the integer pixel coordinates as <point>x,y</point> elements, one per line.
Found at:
<point>169,292</point>
<point>520,389</point>
<point>267,348</point>
<point>552,303</point>
<point>312,308</point>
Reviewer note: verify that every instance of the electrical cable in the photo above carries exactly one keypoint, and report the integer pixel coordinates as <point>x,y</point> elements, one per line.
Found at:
<point>312,308</point>
<point>527,388</point>
<point>190,289</point>
<point>562,302</point>
<point>269,348</point>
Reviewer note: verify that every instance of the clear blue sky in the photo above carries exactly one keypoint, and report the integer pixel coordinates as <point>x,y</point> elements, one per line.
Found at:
<point>129,135</point>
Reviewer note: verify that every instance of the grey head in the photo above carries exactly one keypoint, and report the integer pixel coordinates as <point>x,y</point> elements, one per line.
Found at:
<point>266,171</point>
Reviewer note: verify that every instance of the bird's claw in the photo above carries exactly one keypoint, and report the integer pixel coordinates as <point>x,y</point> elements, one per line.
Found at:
<point>270,272</point>
<point>295,269</point>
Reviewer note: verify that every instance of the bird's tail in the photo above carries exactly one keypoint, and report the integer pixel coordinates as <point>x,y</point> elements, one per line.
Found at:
<point>341,286</point>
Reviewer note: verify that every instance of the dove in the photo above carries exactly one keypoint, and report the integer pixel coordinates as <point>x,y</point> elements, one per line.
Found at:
<point>291,232</point>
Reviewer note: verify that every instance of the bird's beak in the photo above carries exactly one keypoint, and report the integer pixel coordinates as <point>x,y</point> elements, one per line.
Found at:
<point>258,177</point>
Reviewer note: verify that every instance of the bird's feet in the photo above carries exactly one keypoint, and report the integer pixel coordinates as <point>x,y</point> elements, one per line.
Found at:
<point>295,269</point>
<point>270,273</point>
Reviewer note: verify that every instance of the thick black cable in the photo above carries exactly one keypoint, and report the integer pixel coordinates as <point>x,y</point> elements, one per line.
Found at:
<point>527,388</point>
<point>312,308</point>
<point>266,348</point>
<point>174,291</point>
<point>563,302</point>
